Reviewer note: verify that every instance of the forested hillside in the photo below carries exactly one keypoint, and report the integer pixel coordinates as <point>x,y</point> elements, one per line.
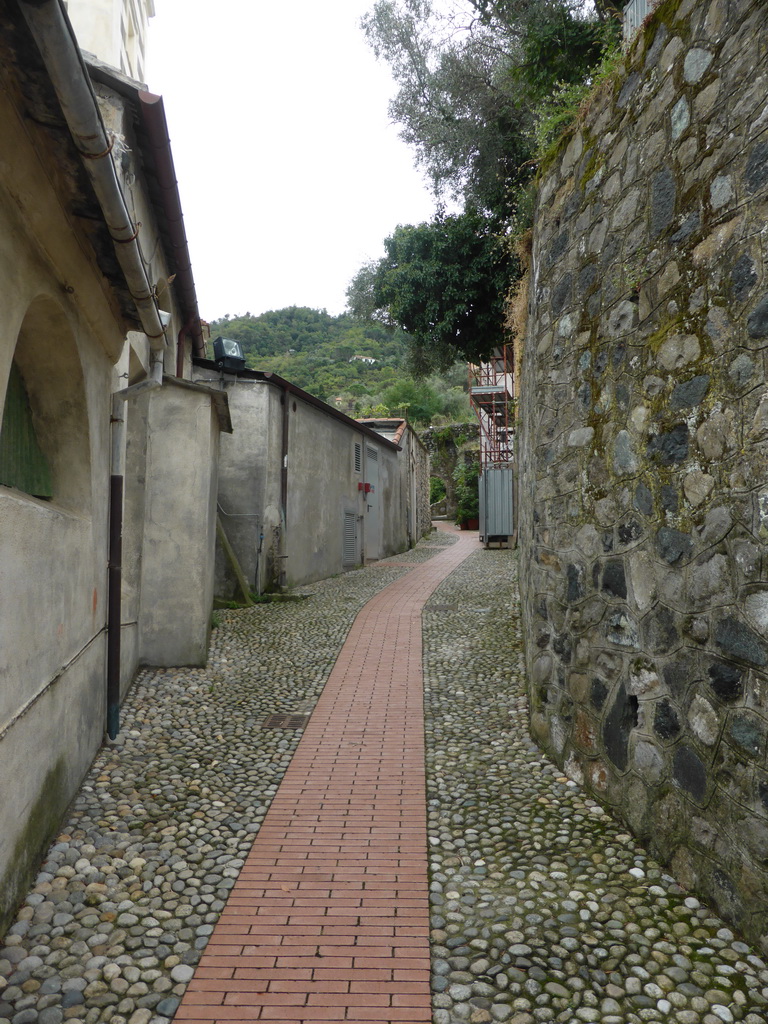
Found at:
<point>356,366</point>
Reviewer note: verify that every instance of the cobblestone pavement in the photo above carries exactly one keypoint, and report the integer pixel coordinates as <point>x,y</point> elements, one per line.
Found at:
<point>129,893</point>
<point>543,908</point>
<point>329,918</point>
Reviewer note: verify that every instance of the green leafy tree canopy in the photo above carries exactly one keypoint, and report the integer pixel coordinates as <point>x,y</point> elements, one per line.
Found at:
<point>441,282</point>
<point>470,74</point>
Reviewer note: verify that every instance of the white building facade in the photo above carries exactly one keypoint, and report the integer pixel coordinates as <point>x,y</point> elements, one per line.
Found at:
<point>114,30</point>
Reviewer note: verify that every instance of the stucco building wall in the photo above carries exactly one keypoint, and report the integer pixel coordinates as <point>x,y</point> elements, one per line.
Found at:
<point>52,552</point>
<point>115,30</point>
<point>413,514</point>
<point>178,528</point>
<point>65,314</point>
<point>250,487</point>
<point>644,505</point>
<point>288,529</point>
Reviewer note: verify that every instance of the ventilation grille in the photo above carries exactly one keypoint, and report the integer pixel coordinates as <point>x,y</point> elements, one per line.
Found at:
<point>349,543</point>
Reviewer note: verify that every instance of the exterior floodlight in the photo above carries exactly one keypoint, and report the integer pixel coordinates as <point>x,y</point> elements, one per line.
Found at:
<point>228,355</point>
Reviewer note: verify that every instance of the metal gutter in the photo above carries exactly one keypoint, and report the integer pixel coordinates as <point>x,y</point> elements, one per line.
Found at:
<point>61,55</point>
<point>155,145</point>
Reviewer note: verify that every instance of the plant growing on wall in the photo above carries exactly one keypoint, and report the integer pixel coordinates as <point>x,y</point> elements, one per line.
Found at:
<point>466,475</point>
<point>567,101</point>
<point>436,489</point>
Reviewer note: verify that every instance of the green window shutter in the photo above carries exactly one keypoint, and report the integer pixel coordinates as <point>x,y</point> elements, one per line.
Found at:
<point>22,463</point>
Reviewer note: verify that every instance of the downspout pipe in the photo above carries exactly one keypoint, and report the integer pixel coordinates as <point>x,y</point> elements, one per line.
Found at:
<point>69,76</point>
<point>115,565</point>
<point>115,557</point>
<point>284,486</point>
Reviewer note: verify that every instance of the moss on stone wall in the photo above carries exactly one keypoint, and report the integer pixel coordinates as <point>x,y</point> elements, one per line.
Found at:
<point>644,422</point>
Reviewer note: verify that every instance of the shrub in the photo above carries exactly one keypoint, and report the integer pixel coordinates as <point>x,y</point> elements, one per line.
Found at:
<point>467,475</point>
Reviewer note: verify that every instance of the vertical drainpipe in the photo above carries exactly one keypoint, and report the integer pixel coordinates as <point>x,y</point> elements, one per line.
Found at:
<point>283,556</point>
<point>115,555</point>
<point>115,565</point>
<point>364,466</point>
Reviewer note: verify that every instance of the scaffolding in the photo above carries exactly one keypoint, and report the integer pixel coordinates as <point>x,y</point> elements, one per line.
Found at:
<point>491,394</point>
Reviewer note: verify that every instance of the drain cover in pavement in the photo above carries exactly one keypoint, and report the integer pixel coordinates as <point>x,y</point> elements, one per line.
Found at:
<point>285,721</point>
<point>441,608</point>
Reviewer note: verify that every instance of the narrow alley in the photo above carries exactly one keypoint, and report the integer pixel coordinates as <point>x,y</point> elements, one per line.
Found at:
<point>528,902</point>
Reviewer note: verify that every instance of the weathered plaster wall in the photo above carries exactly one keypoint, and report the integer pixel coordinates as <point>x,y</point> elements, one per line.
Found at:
<point>53,552</point>
<point>414,514</point>
<point>176,491</point>
<point>249,494</point>
<point>644,483</point>
<point>178,540</point>
<point>322,483</point>
<point>63,324</point>
<point>115,30</point>
<point>136,412</point>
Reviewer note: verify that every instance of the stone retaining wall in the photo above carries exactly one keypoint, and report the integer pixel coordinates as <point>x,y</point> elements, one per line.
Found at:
<point>445,445</point>
<point>644,458</point>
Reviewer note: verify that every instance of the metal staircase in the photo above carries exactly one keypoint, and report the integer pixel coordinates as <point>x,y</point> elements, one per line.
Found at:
<point>491,393</point>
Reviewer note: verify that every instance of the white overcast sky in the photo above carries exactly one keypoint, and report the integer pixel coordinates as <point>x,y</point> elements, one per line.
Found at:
<point>289,171</point>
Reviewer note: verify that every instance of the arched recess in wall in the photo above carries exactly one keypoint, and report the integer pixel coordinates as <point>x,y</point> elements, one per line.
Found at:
<point>45,409</point>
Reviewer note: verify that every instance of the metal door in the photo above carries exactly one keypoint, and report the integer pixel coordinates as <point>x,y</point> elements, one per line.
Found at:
<point>497,517</point>
<point>372,517</point>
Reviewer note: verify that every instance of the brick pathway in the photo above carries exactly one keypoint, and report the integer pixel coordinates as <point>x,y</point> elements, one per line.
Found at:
<point>329,919</point>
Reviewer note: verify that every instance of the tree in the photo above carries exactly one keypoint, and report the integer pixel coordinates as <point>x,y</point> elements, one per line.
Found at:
<point>443,283</point>
<point>467,491</point>
<point>470,76</point>
<point>456,102</point>
<point>473,79</point>
<point>561,46</point>
<point>417,401</point>
<point>521,12</point>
